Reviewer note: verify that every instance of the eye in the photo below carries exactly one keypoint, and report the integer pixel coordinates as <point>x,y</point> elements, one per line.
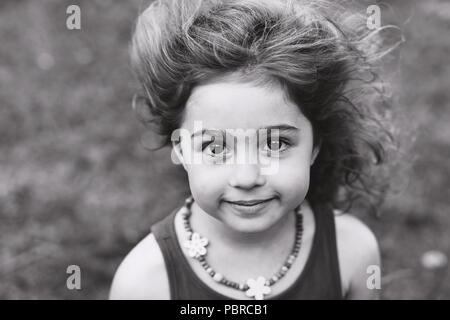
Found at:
<point>215,147</point>
<point>276,144</point>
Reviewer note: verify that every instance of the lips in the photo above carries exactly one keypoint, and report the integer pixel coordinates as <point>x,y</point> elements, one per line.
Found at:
<point>249,203</point>
<point>250,208</point>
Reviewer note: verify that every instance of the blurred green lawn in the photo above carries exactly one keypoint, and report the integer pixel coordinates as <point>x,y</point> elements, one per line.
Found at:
<point>77,186</point>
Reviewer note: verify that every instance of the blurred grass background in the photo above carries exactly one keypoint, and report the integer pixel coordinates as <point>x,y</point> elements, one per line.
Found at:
<point>78,187</point>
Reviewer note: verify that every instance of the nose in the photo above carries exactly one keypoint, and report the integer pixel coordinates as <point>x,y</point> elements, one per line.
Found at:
<point>247,176</point>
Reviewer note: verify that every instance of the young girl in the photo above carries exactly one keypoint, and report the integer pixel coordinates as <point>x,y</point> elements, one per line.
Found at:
<point>283,82</point>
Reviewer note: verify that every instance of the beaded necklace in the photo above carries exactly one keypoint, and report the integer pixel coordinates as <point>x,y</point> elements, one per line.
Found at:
<point>253,288</point>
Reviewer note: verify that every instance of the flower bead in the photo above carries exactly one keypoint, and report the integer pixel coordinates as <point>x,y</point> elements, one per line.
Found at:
<point>257,288</point>
<point>196,246</point>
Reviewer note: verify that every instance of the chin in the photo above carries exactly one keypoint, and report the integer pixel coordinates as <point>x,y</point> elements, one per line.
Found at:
<point>252,225</point>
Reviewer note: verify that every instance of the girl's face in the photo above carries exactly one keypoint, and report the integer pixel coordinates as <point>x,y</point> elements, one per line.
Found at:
<point>245,176</point>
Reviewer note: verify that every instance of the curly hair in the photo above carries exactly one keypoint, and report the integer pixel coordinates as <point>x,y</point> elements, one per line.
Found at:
<point>321,53</point>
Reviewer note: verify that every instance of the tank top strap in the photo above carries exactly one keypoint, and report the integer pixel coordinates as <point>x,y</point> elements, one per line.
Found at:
<point>183,283</point>
<point>166,237</point>
<point>327,259</point>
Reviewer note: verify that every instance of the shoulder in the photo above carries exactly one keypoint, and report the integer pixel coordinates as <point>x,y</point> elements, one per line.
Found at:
<point>355,235</point>
<point>358,252</point>
<point>142,274</point>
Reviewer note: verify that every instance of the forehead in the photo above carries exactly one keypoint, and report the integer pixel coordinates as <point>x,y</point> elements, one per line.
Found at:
<point>231,104</point>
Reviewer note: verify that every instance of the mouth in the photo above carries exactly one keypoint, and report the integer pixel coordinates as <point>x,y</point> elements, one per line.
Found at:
<point>249,203</point>
<point>250,208</point>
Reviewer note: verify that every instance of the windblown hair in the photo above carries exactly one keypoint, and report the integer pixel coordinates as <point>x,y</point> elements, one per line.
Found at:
<point>321,53</point>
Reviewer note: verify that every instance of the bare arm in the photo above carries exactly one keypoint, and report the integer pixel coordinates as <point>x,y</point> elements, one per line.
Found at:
<point>142,274</point>
<point>359,259</point>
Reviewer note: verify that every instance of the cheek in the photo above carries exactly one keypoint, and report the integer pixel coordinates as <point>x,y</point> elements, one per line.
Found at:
<point>206,181</point>
<point>293,178</point>
<point>207,185</point>
<point>293,174</point>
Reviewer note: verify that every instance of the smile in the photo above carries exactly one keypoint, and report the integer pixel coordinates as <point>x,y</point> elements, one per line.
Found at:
<point>249,203</point>
<point>249,208</point>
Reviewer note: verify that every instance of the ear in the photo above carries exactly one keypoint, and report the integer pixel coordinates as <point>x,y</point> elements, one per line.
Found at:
<point>177,154</point>
<point>315,152</point>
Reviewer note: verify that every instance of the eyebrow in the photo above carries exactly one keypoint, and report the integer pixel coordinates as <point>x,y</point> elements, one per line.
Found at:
<point>280,127</point>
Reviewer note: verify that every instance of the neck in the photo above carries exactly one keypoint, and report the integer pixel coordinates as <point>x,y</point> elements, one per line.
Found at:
<point>213,228</point>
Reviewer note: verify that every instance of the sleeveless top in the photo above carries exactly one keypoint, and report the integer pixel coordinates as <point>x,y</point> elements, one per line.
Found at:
<point>319,280</point>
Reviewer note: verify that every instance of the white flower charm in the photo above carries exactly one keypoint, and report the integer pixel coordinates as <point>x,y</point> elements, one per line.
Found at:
<point>196,245</point>
<point>257,288</point>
